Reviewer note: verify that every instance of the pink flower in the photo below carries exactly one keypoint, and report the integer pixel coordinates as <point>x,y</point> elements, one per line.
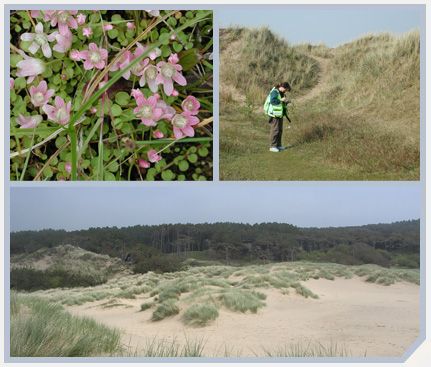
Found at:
<point>75,55</point>
<point>153,13</point>
<point>143,163</point>
<point>138,68</point>
<point>93,110</point>
<point>87,32</point>
<point>108,27</point>
<point>39,40</point>
<point>60,113</point>
<point>30,67</point>
<point>80,18</point>
<point>175,93</point>
<point>94,57</point>
<point>149,76</point>
<point>124,60</point>
<point>11,83</point>
<point>146,109</point>
<point>35,13</point>
<point>154,53</point>
<point>64,42</point>
<point>68,167</point>
<point>168,111</point>
<point>191,105</point>
<point>64,19</point>
<point>29,122</point>
<point>183,124</point>
<point>153,157</point>
<point>158,134</point>
<point>40,95</point>
<point>130,25</point>
<point>170,72</point>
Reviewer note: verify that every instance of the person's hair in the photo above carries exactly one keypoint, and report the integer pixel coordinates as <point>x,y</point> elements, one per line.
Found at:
<point>285,85</point>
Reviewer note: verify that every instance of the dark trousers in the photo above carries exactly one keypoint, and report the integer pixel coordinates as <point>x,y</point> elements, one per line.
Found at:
<point>276,131</point>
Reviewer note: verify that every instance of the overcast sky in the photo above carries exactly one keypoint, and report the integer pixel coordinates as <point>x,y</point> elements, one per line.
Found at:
<point>302,204</point>
<point>330,24</point>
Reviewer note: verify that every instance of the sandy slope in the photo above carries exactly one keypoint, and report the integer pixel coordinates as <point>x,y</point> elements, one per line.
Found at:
<point>365,318</point>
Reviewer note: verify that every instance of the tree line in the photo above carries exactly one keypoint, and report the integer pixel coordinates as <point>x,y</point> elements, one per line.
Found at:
<point>384,244</point>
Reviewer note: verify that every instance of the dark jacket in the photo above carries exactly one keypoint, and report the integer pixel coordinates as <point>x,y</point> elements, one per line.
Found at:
<point>274,97</point>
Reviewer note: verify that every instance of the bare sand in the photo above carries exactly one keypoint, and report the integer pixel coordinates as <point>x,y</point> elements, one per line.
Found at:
<point>364,318</point>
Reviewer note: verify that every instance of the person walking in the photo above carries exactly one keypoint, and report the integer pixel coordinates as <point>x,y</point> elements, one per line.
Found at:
<point>275,108</point>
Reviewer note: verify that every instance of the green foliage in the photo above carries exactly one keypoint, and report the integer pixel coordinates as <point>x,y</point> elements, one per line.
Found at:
<point>105,139</point>
<point>242,300</point>
<point>309,349</point>
<point>158,263</point>
<point>165,309</point>
<point>200,314</point>
<point>146,306</point>
<point>29,279</point>
<point>167,246</point>
<point>43,329</point>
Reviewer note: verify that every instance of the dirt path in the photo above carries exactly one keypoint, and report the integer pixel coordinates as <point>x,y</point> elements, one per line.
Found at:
<point>322,81</point>
<point>366,319</point>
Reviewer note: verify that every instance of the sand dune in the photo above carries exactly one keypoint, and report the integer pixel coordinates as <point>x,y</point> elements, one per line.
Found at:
<point>365,318</point>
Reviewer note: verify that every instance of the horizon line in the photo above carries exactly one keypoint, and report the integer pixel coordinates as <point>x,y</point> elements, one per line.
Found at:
<point>201,223</point>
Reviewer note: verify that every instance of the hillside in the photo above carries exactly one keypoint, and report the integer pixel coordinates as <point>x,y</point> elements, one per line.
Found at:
<point>355,108</point>
<point>63,266</point>
<point>247,51</point>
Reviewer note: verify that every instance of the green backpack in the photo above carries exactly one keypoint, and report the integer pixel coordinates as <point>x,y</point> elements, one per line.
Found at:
<point>271,110</point>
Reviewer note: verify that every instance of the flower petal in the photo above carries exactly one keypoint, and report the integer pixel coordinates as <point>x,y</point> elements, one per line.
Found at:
<point>179,78</point>
<point>34,47</point>
<point>28,37</point>
<point>46,50</point>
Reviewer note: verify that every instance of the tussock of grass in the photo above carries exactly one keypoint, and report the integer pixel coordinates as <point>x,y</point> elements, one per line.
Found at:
<point>171,348</point>
<point>146,306</point>
<point>303,291</point>
<point>43,329</point>
<point>309,349</point>
<point>242,300</point>
<point>165,309</point>
<point>200,314</point>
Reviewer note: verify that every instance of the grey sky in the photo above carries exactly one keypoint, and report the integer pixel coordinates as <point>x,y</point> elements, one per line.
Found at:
<point>302,204</point>
<point>330,24</point>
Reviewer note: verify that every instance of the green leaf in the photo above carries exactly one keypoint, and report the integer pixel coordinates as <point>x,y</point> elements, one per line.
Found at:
<point>47,172</point>
<point>168,175</point>
<point>20,83</point>
<point>113,33</point>
<point>60,141</point>
<point>183,166</point>
<point>166,51</point>
<point>15,59</point>
<point>116,110</point>
<point>177,47</point>
<point>113,166</point>
<point>108,176</point>
<point>189,58</point>
<point>193,158</point>
<point>203,151</point>
<point>122,98</point>
<point>164,38</point>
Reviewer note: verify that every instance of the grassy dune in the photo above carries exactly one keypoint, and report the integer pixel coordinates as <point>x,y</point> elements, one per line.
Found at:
<point>41,327</point>
<point>236,288</point>
<point>362,121</point>
<point>242,50</point>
